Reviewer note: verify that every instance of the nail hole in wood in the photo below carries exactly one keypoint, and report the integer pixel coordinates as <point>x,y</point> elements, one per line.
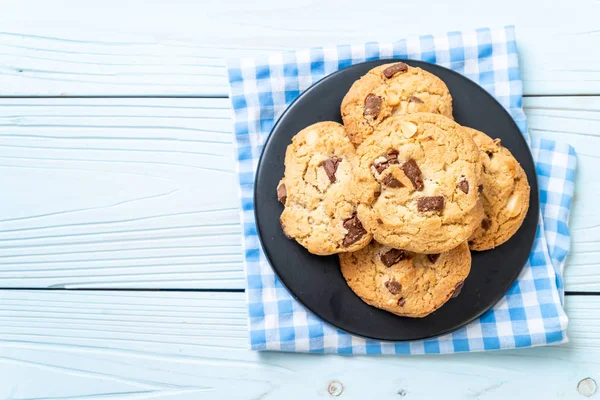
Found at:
<point>587,387</point>
<point>335,388</point>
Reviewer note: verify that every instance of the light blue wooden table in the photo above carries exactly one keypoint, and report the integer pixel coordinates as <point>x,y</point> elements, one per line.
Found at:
<point>116,172</point>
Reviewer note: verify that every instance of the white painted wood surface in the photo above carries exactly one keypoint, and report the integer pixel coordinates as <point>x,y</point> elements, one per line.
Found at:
<point>576,120</point>
<point>141,47</point>
<point>167,345</point>
<point>141,193</point>
<point>121,192</point>
<point>118,193</point>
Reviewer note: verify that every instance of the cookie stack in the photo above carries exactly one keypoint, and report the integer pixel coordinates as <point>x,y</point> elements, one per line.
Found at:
<point>401,192</point>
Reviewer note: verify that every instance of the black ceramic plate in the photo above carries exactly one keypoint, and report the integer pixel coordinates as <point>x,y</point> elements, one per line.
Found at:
<point>317,281</point>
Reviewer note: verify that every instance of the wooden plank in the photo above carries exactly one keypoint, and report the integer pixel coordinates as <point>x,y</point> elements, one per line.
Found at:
<point>129,192</point>
<point>576,120</point>
<point>141,193</point>
<point>170,345</point>
<point>116,49</point>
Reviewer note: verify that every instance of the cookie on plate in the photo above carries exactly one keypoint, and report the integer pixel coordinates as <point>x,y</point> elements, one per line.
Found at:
<point>317,191</point>
<point>417,181</point>
<point>404,283</point>
<point>392,89</point>
<point>505,193</point>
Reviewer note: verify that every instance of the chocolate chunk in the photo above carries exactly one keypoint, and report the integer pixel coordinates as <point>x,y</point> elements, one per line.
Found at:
<point>377,194</point>
<point>401,302</point>
<point>458,288</point>
<point>392,257</point>
<point>379,221</point>
<point>433,258</point>
<point>394,69</point>
<point>463,184</point>
<point>415,99</point>
<point>355,230</point>
<point>485,224</point>
<point>372,106</point>
<point>380,166</point>
<point>390,158</point>
<point>393,286</point>
<point>412,172</point>
<point>281,193</point>
<point>433,203</point>
<point>330,166</point>
<point>480,188</point>
<point>392,182</point>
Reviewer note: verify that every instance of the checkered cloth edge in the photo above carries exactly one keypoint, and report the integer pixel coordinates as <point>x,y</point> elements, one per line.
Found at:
<point>530,314</point>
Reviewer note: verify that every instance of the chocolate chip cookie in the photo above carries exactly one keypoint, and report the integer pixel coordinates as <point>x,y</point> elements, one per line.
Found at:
<point>504,193</point>
<point>317,191</point>
<point>392,89</point>
<point>405,283</point>
<point>417,181</point>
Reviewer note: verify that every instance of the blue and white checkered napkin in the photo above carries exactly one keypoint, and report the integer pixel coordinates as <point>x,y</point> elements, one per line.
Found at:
<point>530,314</point>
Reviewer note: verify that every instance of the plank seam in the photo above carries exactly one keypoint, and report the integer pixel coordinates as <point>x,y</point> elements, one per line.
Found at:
<point>124,290</point>
<point>113,96</point>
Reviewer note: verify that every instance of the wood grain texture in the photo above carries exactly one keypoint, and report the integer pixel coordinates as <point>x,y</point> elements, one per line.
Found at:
<point>576,120</point>
<point>149,48</point>
<point>130,192</point>
<point>140,345</point>
<point>141,193</point>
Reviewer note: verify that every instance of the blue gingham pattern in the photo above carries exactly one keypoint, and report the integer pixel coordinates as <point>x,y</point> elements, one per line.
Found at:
<point>530,314</point>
